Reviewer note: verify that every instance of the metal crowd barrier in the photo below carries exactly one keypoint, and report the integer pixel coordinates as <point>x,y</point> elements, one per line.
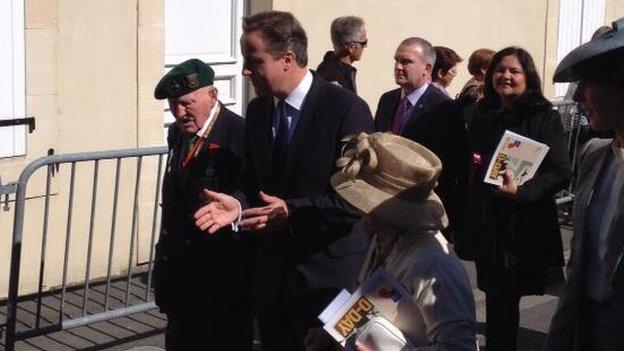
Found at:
<point>65,319</point>
<point>573,121</point>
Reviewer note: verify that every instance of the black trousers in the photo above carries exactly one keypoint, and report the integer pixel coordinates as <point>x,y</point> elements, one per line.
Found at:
<point>503,289</point>
<point>502,320</point>
<point>285,307</point>
<point>210,327</point>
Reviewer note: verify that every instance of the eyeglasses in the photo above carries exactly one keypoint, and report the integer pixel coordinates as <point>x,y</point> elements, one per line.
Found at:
<point>364,43</point>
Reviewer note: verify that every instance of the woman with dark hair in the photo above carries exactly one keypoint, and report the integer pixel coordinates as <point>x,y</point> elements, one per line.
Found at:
<point>512,230</point>
<point>445,68</point>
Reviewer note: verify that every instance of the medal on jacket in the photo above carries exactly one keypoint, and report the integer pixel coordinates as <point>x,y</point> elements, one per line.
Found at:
<point>194,150</point>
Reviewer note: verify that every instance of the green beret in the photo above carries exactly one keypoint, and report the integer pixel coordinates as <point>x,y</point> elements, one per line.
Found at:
<point>184,78</point>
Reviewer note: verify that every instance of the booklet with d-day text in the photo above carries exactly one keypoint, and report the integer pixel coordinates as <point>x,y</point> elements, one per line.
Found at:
<point>518,154</point>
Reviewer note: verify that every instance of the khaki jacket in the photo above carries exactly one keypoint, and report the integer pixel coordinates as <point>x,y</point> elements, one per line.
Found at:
<point>441,315</point>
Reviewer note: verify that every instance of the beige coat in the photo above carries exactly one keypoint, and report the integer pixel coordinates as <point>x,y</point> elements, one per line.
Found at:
<point>441,314</point>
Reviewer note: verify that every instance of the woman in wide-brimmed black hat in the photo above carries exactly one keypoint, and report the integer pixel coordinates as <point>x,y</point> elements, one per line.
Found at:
<point>590,315</point>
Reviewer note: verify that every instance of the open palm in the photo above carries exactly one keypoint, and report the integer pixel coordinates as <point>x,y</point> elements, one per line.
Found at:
<point>222,210</point>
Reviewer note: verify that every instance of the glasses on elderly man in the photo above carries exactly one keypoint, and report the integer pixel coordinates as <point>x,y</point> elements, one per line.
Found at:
<point>364,43</point>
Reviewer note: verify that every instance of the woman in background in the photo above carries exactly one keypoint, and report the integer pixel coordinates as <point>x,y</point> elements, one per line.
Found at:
<point>478,63</point>
<point>512,230</point>
<point>445,68</point>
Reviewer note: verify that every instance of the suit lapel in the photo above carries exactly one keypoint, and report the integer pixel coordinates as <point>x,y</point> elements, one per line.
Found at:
<point>264,148</point>
<point>418,110</point>
<point>592,166</point>
<point>615,242</point>
<point>308,116</point>
<point>390,107</point>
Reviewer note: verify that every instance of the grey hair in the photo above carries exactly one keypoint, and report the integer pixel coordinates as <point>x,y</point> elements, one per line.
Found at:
<point>345,30</point>
<point>427,49</point>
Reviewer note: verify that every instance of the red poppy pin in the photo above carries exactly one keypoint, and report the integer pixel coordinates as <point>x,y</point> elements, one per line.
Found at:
<point>213,150</point>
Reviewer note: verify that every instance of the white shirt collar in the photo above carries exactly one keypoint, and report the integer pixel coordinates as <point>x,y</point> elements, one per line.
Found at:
<point>415,95</point>
<point>296,97</point>
<point>211,116</point>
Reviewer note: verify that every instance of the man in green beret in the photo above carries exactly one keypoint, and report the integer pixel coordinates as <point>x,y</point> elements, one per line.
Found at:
<point>202,282</point>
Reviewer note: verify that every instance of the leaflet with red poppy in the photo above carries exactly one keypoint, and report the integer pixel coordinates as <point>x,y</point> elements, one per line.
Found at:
<point>518,154</point>
<point>377,296</point>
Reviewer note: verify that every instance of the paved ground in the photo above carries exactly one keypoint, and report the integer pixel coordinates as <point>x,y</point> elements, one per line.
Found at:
<point>144,331</point>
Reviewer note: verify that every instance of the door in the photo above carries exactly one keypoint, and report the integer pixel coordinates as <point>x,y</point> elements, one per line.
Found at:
<point>209,31</point>
<point>12,82</point>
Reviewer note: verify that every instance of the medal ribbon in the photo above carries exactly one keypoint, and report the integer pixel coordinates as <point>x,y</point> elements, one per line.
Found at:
<point>194,150</point>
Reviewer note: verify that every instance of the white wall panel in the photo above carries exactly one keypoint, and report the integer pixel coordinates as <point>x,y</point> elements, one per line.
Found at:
<point>208,30</point>
<point>578,19</point>
<point>12,77</point>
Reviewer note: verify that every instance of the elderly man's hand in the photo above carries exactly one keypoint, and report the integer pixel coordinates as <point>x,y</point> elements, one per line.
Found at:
<point>222,210</point>
<point>274,215</point>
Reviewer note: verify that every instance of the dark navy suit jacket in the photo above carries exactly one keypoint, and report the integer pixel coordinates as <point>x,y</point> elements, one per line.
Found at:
<point>316,244</point>
<point>436,123</point>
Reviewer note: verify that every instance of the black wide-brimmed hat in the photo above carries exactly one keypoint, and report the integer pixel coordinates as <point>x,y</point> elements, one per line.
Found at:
<point>602,56</point>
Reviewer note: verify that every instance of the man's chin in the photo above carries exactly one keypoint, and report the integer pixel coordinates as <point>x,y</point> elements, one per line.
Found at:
<point>190,129</point>
<point>262,91</point>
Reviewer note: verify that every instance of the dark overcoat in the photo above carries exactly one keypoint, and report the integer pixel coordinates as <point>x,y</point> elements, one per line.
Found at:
<point>519,231</point>
<point>188,262</point>
<point>337,72</point>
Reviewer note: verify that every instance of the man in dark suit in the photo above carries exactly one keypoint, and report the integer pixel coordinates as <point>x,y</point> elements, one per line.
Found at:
<point>202,283</point>
<point>293,136</point>
<point>419,111</point>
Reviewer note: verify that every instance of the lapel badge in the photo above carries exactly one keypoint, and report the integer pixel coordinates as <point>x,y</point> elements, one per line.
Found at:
<point>192,80</point>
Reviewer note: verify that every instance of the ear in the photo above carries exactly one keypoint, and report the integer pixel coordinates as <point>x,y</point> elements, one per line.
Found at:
<point>350,48</point>
<point>290,60</point>
<point>439,74</point>
<point>214,94</point>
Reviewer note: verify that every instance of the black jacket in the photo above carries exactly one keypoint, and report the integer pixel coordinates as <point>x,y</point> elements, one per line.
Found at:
<point>436,123</point>
<point>188,261</point>
<point>523,230</point>
<point>318,217</point>
<point>335,71</point>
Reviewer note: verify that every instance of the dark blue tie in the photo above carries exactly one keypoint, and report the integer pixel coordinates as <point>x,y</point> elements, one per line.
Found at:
<point>280,141</point>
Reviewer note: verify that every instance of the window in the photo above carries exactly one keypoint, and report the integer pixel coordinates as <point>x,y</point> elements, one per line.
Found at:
<point>12,77</point>
<point>578,19</point>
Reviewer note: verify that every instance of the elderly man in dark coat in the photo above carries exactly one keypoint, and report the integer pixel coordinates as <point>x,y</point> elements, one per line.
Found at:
<point>202,283</point>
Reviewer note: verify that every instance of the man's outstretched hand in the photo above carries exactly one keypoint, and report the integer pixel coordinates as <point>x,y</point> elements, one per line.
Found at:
<point>274,215</point>
<point>222,210</point>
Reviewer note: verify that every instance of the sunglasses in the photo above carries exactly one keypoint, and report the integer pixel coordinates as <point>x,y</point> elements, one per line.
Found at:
<point>363,43</point>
